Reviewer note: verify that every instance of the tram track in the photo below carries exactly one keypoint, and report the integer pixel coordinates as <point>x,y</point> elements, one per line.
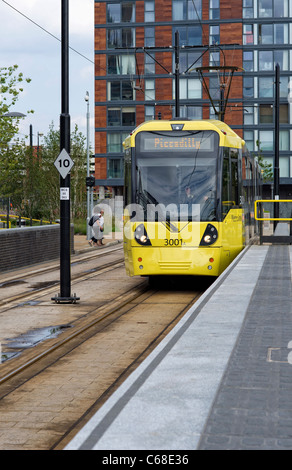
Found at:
<point>12,300</point>
<point>45,350</point>
<point>65,379</point>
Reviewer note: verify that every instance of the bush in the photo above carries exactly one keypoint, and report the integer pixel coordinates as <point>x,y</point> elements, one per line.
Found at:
<point>80,226</point>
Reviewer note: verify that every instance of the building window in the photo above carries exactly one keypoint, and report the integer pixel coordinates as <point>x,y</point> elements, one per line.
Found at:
<point>149,10</point>
<point>149,64</point>
<point>189,35</point>
<point>284,114</point>
<point>248,87</point>
<point>122,37</point>
<point>125,116</point>
<point>248,116</point>
<point>284,87</point>
<point>189,88</point>
<point>249,140</point>
<point>121,12</point>
<point>284,143</point>
<point>266,114</point>
<point>115,168</point>
<point>247,9</point>
<point>266,87</point>
<point>273,33</point>
<point>270,8</point>
<point>149,89</point>
<point>248,61</point>
<point>121,64</point>
<point>121,90</point>
<point>214,9</point>
<point>149,113</point>
<point>191,112</point>
<point>268,60</point>
<point>284,167</point>
<point>115,141</point>
<point>128,116</point>
<point>265,8</point>
<point>214,59</point>
<point>188,61</point>
<point>247,34</point>
<point>186,10</point>
<point>266,140</point>
<point>214,88</point>
<point>149,36</point>
<point>214,34</point>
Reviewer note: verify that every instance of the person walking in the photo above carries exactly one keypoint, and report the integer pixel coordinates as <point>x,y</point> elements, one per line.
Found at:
<point>97,228</point>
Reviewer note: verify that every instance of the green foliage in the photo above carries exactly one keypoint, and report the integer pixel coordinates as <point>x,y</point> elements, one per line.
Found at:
<point>51,182</point>
<point>27,176</point>
<point>267,168</point>
<point>10,90</point>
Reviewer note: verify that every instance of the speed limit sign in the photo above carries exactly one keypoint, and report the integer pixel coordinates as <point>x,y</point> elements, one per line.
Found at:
<point>64,163</point>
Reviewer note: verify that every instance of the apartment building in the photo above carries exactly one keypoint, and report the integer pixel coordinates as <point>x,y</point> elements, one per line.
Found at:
<point>160,58</point>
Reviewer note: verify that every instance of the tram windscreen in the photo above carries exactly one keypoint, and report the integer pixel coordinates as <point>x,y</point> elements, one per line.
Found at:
<point>176,170</point>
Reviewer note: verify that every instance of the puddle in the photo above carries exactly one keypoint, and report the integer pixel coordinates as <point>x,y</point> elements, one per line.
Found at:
<point>42,285</point>
<point>29,302</point>
<point>8,355</point>
<point>31,339</point>
<point>11,283</point>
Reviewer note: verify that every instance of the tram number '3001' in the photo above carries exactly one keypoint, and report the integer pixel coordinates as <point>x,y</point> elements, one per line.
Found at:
<point>172,242</point>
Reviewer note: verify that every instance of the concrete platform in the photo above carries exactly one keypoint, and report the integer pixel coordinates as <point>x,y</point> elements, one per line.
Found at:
<point>222,379</point>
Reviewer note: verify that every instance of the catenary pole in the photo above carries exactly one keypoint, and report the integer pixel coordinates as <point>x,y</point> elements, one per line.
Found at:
<point>277,130</point>
<point>65,245</point>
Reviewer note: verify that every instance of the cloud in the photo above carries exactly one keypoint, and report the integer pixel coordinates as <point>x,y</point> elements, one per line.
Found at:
<point>38,56</point>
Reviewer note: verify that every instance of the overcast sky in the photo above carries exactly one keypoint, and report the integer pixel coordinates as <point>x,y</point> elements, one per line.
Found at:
<point>38,56</point>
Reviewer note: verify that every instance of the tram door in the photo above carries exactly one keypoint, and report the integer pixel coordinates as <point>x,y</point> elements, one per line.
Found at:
<point>230,197</point>
<point>232,235</point>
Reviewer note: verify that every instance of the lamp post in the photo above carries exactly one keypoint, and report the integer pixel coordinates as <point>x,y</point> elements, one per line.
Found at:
<point>87,174</point>
<point>64,164</point>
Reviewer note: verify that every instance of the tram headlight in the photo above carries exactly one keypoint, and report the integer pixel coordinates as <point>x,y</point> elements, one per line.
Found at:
<point>210,236</point>
<point>141,236</point>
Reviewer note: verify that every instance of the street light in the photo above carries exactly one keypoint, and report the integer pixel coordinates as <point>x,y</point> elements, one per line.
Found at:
<point>88,187</point>
<point>13,114</point>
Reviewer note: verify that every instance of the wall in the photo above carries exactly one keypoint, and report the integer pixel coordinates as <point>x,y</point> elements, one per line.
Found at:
<point>26,246</point>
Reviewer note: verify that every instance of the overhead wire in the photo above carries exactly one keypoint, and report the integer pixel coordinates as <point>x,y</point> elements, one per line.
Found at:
<point>45,30</point>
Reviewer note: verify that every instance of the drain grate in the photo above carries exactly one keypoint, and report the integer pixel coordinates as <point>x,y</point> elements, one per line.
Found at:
<point>278,355</point>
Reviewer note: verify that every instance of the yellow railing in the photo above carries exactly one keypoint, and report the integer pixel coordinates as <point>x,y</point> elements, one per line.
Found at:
<point>270,218</point>
<point>39,221</point>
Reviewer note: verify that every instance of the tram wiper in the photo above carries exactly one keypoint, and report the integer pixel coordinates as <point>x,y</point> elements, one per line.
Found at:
<point>150,198</point>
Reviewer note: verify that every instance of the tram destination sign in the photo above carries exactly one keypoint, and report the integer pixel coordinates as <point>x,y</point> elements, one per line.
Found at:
<point>181,143</point>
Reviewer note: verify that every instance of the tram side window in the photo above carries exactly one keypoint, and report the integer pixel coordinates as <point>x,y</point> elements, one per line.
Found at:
<point>234,182</point>
<point>230,181</point>
<point>128,177</point>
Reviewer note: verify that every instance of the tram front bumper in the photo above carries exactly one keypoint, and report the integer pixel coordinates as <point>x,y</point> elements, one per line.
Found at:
<point>201,261</point>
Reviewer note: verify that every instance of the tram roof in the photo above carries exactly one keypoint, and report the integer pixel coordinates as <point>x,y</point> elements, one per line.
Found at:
<point>228,138</point>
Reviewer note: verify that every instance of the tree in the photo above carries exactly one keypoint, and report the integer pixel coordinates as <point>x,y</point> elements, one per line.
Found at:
<point>10,89</point>
<point>11,158</point>
<point>267,168</point>
<point>51,178</point>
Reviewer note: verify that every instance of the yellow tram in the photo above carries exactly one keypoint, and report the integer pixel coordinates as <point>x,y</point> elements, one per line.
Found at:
<point>189,193</point>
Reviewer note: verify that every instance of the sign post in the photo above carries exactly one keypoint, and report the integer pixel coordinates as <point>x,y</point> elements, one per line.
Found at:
<point>64,164</point>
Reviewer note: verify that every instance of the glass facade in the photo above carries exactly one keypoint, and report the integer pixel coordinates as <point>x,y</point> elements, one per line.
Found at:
<point>138,88</point>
